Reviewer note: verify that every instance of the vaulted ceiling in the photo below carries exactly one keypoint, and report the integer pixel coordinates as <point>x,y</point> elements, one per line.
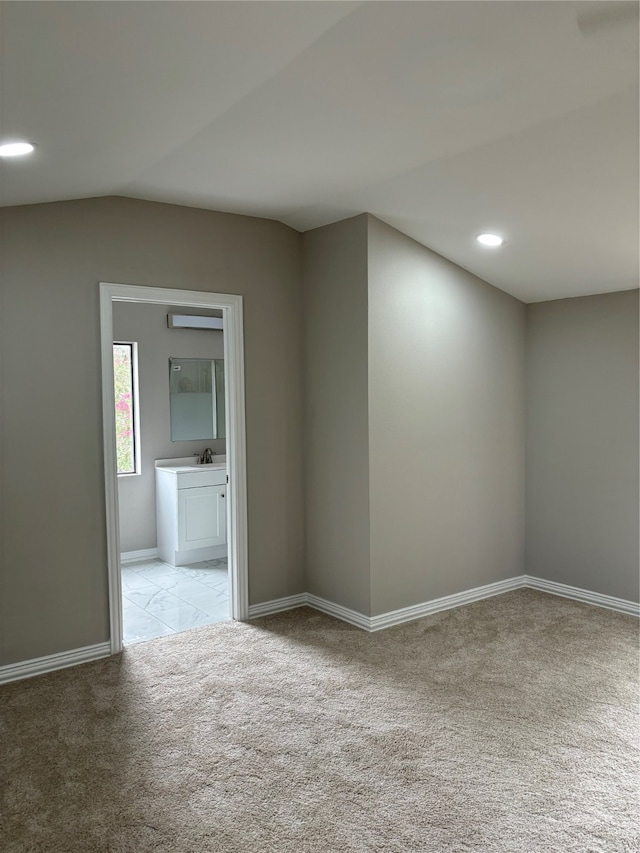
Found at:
<point>444,119</point>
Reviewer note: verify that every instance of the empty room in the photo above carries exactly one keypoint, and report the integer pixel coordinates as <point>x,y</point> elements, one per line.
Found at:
<point>319,426</point>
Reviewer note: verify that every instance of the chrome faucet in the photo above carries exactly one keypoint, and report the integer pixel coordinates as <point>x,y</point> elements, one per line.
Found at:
<point>207,456</point>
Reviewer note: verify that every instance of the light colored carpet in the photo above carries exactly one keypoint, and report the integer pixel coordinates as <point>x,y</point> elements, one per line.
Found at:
<point>508,725</point>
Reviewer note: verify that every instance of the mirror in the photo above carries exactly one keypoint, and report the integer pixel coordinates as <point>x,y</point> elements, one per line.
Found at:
<point>196,397</point>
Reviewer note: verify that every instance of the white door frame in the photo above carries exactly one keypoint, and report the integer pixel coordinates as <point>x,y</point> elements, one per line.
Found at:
<point>237,531</point>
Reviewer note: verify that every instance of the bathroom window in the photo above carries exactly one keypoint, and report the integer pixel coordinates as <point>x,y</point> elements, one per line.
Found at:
<point>125,382</point>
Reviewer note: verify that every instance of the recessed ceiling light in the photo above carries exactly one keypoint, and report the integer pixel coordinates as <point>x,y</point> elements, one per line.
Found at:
<point>16,149</point>
<point>489,239</point>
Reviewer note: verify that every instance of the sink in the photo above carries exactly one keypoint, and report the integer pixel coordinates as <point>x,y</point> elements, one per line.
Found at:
<point>187,464</point>
<point>206,466</point>
<point>218,462</point>
<point>213,466</point>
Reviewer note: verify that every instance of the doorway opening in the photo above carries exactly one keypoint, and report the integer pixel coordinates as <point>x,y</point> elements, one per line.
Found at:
<point>216,512</point>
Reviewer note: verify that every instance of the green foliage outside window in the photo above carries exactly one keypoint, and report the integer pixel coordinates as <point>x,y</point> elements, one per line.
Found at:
<point>123,388</point>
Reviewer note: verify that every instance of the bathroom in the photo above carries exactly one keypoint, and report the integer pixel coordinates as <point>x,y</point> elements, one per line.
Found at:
<point>162,373</point>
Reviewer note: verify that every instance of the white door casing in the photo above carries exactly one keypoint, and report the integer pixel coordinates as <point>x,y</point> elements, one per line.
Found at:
<point>235,493</point>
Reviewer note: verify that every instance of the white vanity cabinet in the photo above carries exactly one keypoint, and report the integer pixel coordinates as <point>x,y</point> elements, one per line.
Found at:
<point>191,511</point>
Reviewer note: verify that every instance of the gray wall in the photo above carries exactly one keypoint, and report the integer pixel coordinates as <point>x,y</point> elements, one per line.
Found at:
<point>147,325</point>
<point>413,415</point>
<point>52,539</point>
<point>336,444</point>
<point>446,425</point>
<point>582,442</point>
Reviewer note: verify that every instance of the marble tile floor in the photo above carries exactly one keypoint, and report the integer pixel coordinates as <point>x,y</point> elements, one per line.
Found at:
<point>158,599</point>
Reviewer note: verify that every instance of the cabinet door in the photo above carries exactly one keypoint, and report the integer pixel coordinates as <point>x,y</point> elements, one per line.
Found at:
<point>202,517</point>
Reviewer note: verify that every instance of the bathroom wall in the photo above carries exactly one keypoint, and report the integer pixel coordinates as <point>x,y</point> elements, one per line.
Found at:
<point>53,563</point>
<point>147,325</point>
<point>446,425</point>
<point>582,442</point>
<point>336,442</point>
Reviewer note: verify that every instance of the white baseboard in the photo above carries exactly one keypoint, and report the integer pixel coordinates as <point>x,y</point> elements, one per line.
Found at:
<point>621,605</point>
<point>62,660</point>
<point>50,663</point>
<point>138,556</point>
<point>340,612</point>
<point>278,605</point>
<point>447,602</point>
<point>385,620</point>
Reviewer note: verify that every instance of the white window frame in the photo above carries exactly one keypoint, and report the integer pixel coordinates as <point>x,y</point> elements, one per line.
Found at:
<point>135,394</point>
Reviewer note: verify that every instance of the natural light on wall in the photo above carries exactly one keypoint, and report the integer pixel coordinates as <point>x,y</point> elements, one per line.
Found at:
<point>125,387</point>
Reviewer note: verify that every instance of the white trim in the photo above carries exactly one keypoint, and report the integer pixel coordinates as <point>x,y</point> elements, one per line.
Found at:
<point>340,612</point>
<point>277,605</point>
<point>236,457</point>
<point>139,556</point>
<point>621,605</point>
<point>447,602</point>
<point>136,409</point>
<point>110,471</point>
<point>417,611</point>
<point>51,663</point>
<point>237,532</point>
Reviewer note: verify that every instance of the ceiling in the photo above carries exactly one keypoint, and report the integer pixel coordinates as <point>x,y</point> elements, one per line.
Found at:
<point>443,119</point>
